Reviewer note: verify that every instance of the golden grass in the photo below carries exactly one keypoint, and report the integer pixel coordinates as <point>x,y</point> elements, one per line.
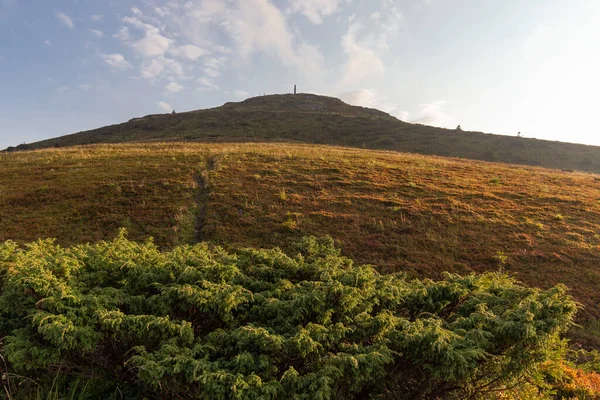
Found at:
<point>419,214</point>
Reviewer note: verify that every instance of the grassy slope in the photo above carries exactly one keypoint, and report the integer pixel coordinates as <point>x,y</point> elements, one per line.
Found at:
<point>81,195</point>
<point>323,120</point>
<point>420,214</point>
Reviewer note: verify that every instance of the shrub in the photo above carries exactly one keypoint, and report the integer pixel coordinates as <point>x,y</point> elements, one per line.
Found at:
<point>571,383</point>
<point>198,322</point>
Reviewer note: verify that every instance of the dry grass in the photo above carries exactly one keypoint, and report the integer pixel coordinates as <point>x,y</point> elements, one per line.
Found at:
<point>419,214</point>
<point>86,194</point>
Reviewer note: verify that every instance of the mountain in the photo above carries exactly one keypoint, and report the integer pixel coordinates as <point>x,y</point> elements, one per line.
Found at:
<point>307,118</point>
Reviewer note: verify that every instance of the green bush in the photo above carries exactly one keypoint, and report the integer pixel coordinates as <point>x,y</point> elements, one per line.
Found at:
<point>198,322</point>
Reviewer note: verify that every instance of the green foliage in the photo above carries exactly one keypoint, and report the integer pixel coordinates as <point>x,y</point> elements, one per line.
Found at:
<point>502,260</point>
<point>197,322</point>
<point>586,360</point>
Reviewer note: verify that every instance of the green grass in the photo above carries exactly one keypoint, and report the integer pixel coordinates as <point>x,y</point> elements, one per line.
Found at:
<point>322,120</point>
<point>419,214</point>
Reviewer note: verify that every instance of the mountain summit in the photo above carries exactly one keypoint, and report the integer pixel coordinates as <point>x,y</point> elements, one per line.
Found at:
<point>309,118</point>
<point>304,102</point>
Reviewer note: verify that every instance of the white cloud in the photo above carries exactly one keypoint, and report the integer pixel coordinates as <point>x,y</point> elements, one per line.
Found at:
<point>402,115</point>
<point>251,26</point>
<point>369,98</point>
<point>65,20</point>
<point>364,48</point>
<point>83,87</point>
<point>117,61</point>
<point>161,65</point>
<point>243,28</point>
<point>309,62</point>
<point>188,51</point>
<point>123,34</point>
<point>435,114</point>
<point>63,89</point>
<point>98,33</point>
<point>363,97</point>
<point>240,94</point>
<point>213,73</point>
<point>162,11</point>
<point>214,63</point>
<point>259,26</point>
<point>174,87</point>
<point>314,10</point>
<point>166,107</point>
<point>207,84</point>
<point>206,11</point>
<point>47,42</point>
<point>389,26</point>
<point>97,17</point>
<point>361,60</point>
<point>153,43</point>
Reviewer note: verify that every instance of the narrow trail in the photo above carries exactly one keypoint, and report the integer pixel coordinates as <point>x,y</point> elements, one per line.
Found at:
<point>202,197</point>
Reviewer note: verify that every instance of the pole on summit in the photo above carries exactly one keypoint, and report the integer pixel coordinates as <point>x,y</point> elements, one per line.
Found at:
<point>294,89</point>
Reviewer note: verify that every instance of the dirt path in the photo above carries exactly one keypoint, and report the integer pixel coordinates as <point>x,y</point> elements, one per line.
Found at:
<point>202,198</point>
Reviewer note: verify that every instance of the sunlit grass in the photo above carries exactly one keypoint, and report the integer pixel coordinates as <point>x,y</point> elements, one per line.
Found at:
<point>420,214</point>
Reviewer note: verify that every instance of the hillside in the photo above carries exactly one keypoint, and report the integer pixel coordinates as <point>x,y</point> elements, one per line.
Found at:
<point>418,214</point>
<point>306,118</point>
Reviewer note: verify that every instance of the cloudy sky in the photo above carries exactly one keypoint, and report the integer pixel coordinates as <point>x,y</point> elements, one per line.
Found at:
<point>500,66</point>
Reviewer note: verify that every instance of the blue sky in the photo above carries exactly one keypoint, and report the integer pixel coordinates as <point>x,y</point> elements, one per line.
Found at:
<point>493,66</point>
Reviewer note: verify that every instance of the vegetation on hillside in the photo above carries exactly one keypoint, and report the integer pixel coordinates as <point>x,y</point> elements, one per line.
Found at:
<point>421,215</point>
<point>123,320</point>
<point>86,195</point>
<point>323,120</point>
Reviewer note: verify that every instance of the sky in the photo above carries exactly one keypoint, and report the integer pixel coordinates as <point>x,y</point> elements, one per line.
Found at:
<point>493,66</point>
